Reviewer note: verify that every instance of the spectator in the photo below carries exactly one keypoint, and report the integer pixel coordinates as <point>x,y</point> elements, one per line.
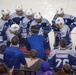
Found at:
<point>13,56</point>
<point>37,42</point>
<point>18,72</point>
<point>60,72</point>
<point>58,58</point>
<point>45,69</point>
<point>34,62</point>
<point>65,70</point>
<point>4,70</point>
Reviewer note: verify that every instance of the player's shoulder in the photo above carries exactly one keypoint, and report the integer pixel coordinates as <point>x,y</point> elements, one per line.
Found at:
<point>25,19</point>
<point>2,21</point>
<point>71,52</point>
<point>24,14</point>
<point>52,53</point>
<point>66,26</point>
<point>64,29</point>
<point>68,16</point>
<point>44,20</point>
<point>33,22</point>
<point>14,13</point>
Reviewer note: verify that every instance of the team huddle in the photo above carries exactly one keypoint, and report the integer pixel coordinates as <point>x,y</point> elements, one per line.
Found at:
<point>31,30</point>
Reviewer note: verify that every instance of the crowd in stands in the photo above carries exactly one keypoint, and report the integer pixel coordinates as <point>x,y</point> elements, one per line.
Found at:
<point>27,32</point>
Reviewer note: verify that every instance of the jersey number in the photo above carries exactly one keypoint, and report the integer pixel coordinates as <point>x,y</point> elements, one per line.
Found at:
<point>64,61</point>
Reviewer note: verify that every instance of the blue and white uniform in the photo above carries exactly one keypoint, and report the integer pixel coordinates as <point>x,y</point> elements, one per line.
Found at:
<point>57,58</point>
<point>64,33</point>
<point>9,35</point>
<point>2,22</point>
<point>4,25</point>
<point>25,25</point>
<point>44,26</point>
<point>11,32</point>
<point>68,19</point>
<point>16,18</point>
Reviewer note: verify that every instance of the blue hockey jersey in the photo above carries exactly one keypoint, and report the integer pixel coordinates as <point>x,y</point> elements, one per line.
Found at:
<point>57,58</point>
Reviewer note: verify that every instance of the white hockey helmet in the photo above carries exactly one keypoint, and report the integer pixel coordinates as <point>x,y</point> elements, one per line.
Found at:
<point>60,11</point>
<point>14,27</point>
<point>19,8</point>
<point>59,20</point>
<point>29,12</point>
<point>5,12</point>
<point>37,15</point>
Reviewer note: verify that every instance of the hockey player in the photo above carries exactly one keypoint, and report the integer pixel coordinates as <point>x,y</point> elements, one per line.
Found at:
<point>5,23</point>
<point>5,19</point>
<point>68,20</point>
<point>25,24</point>
<point>57,58</point>
<point>11,32</point>
<point>43,25</point>
<point>63,33</point>
<point>41,22</point>
<point>18,16</point>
